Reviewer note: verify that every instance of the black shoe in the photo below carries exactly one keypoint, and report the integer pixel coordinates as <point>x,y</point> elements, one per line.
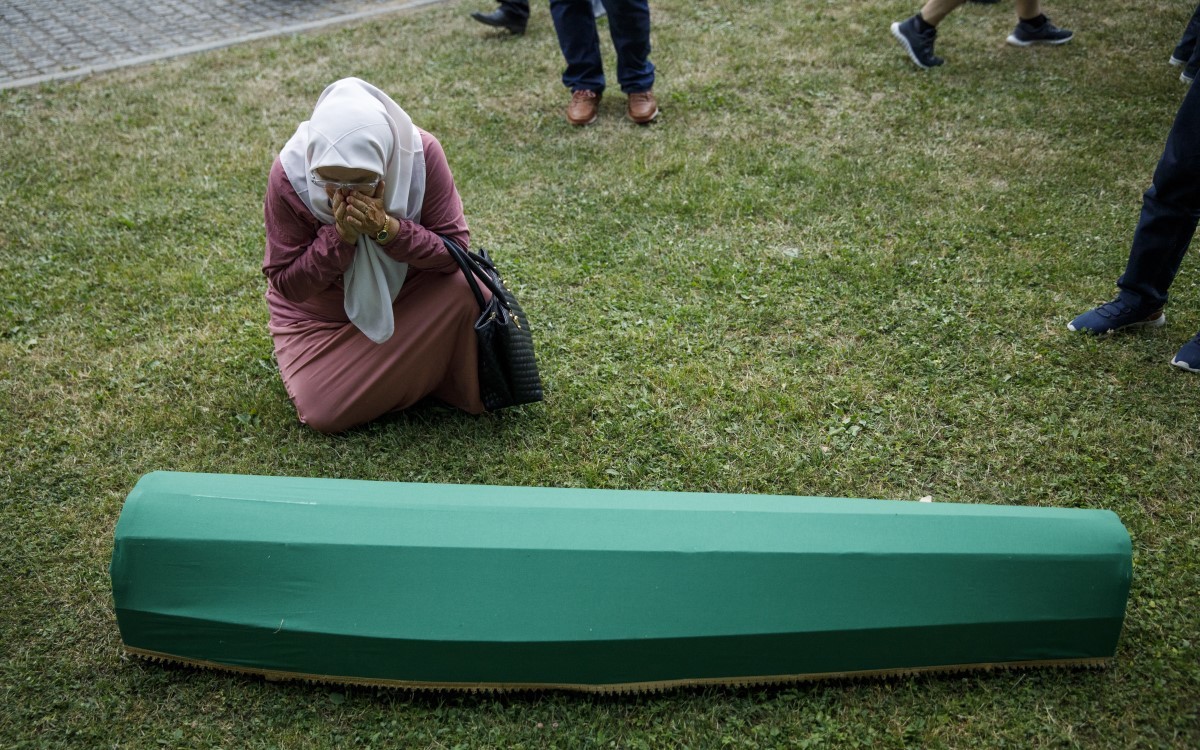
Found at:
<point>502,19</point>
<point>1188,358</point>
<point>918,44</point>
<point>1027,34</point>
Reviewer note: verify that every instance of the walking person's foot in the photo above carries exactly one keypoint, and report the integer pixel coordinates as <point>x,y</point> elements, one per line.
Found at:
<point>1181,54</point>
<point>918,42</point>
<point>1038,31</point>
<point>1188,357</point>
<point>1117,315</point>
<point>501,19</point>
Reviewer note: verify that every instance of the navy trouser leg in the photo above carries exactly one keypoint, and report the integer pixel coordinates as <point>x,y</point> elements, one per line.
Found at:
<point>575,25</point>
<point>1187,47</point>
<point>516,8</point>
<point>1170,211</point>
<point>629,25</point>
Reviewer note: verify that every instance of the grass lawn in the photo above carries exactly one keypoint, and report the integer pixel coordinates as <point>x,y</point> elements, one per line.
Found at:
<point>821,273</point>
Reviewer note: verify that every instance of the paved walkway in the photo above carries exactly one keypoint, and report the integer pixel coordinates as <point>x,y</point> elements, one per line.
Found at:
<point>47,40</point>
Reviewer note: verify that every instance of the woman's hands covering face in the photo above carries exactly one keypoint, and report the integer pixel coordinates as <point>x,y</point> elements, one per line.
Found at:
<point>356,213</point>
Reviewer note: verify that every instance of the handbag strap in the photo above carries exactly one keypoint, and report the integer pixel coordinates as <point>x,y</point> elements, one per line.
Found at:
<point>472,266</point>
<point>468,268</point>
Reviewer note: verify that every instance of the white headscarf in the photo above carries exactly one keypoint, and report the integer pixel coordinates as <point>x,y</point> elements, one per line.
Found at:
<point>356,125</point>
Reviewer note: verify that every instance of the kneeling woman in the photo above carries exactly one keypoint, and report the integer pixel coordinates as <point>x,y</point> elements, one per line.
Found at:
<point>369,313</point>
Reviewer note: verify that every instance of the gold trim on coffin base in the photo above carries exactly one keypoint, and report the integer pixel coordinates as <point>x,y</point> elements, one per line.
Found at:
<point>620,687</point>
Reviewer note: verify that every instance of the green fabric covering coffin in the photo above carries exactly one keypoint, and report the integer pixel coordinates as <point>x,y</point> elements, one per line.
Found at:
<point>462,586</point>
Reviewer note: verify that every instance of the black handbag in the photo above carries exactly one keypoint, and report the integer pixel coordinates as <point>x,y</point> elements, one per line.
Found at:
<point>508,373</point>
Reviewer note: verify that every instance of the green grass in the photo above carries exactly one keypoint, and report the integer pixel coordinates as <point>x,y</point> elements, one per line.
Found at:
<point>821,273</point>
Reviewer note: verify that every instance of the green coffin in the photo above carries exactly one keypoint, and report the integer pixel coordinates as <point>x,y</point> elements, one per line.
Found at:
<point>467,586</point>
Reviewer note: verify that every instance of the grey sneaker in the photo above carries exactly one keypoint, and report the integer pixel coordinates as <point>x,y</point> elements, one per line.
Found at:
<point>918,44</point>
<point>1027,34</point>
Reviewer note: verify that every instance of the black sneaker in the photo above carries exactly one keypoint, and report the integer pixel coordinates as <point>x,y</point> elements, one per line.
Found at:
<point>1182,53</point>
<point>918,44</point>
<point>1188,358</point>
<point>1026,34</point>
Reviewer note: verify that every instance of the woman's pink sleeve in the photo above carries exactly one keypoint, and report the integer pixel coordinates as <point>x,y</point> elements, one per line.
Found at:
<point>441,214</point>
<point>303,256</point>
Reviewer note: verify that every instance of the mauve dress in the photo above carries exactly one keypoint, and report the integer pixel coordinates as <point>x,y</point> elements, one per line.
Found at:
<point>337,377</point>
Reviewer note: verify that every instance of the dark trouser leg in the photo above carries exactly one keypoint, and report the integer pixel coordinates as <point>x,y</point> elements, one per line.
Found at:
<point>1170,211</point>
<point>629,25</point>
<point>516,8</point>
<point>580,44</point>
<point>1187,43</point>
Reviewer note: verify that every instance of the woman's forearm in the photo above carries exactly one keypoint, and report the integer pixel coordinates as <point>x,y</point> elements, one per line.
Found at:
<point>299,272</point>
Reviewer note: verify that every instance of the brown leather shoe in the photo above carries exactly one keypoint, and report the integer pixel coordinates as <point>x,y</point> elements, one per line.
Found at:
<point>584,106</point>
<point>642,107</point>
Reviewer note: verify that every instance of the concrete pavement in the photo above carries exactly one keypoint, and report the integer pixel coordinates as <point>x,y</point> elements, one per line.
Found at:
<point>48,40</point>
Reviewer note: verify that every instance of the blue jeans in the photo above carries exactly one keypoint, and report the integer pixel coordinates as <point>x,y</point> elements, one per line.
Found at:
<point>1170,212</point>
<point>629,25</point>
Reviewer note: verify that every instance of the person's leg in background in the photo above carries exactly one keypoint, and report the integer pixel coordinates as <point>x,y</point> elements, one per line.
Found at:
<point>511,14</point>
<point>1170,213</point>
<point>629,26</point>
<point>575,25</point>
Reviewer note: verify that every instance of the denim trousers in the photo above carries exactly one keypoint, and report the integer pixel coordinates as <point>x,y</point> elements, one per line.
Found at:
<point>1170,211</point>
<point>629,25</point>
